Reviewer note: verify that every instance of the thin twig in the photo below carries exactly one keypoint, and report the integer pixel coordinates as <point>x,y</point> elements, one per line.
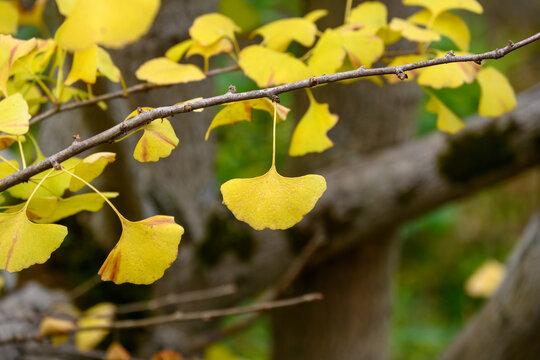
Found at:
<point>168,111</point>
<point>173,299</point>
<point>84,287</point>
<point>206,315</point>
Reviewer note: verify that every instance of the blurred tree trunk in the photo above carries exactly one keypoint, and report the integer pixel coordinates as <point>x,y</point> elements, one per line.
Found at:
<point>353,320</point>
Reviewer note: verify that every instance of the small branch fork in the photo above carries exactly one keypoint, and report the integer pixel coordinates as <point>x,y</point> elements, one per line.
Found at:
<point>180,317</point>
<point>167,111</point>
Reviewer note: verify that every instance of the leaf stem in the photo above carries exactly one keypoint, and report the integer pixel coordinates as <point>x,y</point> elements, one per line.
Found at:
<point>35,190</point>
<point>97,192</point>
<point>9,163</point>
<point>21,151</point>
<point>39,82</point>
<point>274,137</point>
<point>347,11</point>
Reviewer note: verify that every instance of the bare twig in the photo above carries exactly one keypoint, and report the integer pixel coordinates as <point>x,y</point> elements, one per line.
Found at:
<point>179,317</point>
<point>84,287</point>
<point>168,111</point>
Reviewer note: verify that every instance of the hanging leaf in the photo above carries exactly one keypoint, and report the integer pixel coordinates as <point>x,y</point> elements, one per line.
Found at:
<point>90,168</point>
<point>165,71</point>
<point>446,24</point>
<point>310,133</point>
<point>23,243</point>
<point>241,111</point>
<point>84,66</point>
<point>279,34</point>
<point>14,115</point>
<point>362,49</point>
<point>327,55</point>
<point>158,141</point>
<point>99,315</point>
<point>113,24</point>
<point>267,67</point>
<point>7,140</point>
<point>176,52</point>
<point>370,16</point>
<point>413,32</point>
<point>447,121</point>
<point>497,96</point>
<point>16,49</point>
<point>145,250</point>
<point>485,280</point>
<point>106,66</point>
<point>438,6</point>
<point>209,28</point>
<point>271,200</point>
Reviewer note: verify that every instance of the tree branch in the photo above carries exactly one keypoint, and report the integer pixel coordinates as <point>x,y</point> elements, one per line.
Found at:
<point>146,117</point>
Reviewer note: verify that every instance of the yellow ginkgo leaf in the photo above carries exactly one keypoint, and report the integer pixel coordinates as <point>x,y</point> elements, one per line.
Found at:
<point>241,111</point>
<point>7,140</point>
<point>30,92</point>
<point>65,7</point>
<point>222,46</point>
<point>268,67</point>
<point>14,115</point>
<point>99,315</point>
<point>90,168</point>
<point>362,49</point>
<point>370,15</point>
<point>106,66</point>
<point>54,326</point>
<point>37,60</point>
<point>158,140</point>
<point>176,52</point>
<point>113,24</point>
<point>9,17</point>
<point>165,71</point>
<point>310,133</point>
<point>279,34</point>
<point>17,49</point>
<point>23,243</point>
<point>438,6</point>
<point>145,250</point>
<point>271,200</point>
<point>447,121</point>
<point>84,66</point>
<point>485,280</point>
<point>209,28</point>
<point>497,96</point>
<point>413,32</point>
<point>40,207</point>
<point>446,24</point>
<point>71,206</point>
<point>450,75</point>
<point>327,54</point>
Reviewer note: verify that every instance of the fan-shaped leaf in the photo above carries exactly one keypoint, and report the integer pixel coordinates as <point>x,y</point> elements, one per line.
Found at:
<point>14,115</point>
<point>438,6</point>
<point>447,121</point>
<point>497,96</point>
<point>209,28</point>
<point>158,140</point>
<point>446,24</point>
<point>165,71</point>
<point>370,15</point>
<point>84,66</point>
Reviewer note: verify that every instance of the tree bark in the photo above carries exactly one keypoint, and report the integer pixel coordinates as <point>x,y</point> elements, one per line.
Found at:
<point>507,327</point>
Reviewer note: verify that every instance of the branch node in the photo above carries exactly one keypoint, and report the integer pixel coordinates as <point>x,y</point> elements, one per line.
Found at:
<point>232,89</point>
<point>510,43</point>
<point>479,62</point>
<point>450,53</point>
<point>139,110</point>
<point>363,67</point>
<point>76,138</point>
<point>275,98</point>
<point>188,108</point>
<point>313,81</point>
<point>401,74</point>
<point>56,165</point>
<point>123,125</point>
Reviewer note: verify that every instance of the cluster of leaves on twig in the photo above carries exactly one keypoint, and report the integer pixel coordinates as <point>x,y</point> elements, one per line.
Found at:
<point>32,73</point>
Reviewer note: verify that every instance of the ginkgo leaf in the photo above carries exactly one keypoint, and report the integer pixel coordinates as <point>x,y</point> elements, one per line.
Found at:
<point>446,24</point>
<point>209,28</point>
<point>222,46</point>
<point>50,325</point>
<point>106,66</point>
<point>158,140</point>
<point>362,49</point>
<point>327,54</point>
<point>497,96</point>
<point>268,67</point>
<point>116,351</point>
<point>23,243</point>
<point>145,250</point>
<point>30,92</point>
<point>486,279</point>
<point>165,71</point>
<point>9,17</point>
<point>310,133</point>
<point>7,140</point>
<point>17,49</point>
<point>98,315</point>
<point>84,66</point>
<point>37,60</point>
<point>65,7</point>
<point>271,200</point>
<point>278,34</point>
<point>438,6</point>
<point>447,121</point>
<point>73,205</point>
<point>14,115</point>
<point>450,75</point>
<point>413,32</point>
<point>90,168</point>
<point>241,111</point>
<point>176,52</point>
<point>113,24</point>
<point>370,15</point>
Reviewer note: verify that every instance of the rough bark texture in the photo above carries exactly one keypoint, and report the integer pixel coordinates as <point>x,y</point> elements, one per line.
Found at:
<point>508,325</point>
